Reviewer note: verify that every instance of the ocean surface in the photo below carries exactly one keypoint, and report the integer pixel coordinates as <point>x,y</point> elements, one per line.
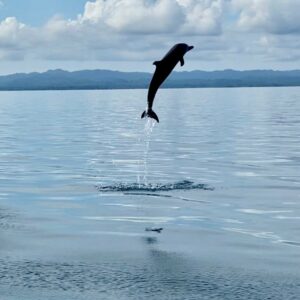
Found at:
<point>82,177</point>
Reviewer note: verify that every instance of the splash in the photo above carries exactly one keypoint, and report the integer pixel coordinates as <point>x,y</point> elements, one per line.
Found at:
<point>150,187</point>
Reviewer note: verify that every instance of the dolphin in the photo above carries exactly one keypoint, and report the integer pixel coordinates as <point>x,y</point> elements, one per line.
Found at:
<point>163,69</point>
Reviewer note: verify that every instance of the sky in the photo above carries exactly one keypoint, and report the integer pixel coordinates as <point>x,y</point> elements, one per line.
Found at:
<point>128,35</point>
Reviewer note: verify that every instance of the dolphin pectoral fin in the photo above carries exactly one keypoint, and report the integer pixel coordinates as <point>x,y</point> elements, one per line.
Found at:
<point>151,114</point>
<point>157,62</point>
<point>181,61</point>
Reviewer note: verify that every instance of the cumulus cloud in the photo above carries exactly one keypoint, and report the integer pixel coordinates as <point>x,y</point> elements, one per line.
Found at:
<point>15,39</point>
<point>136,16</point>
<point>104,25</point>
<point>273,16</point>
<point>202,17</point>
<point>157,16</point>
<point>10,29</point>
<point>140,30</point>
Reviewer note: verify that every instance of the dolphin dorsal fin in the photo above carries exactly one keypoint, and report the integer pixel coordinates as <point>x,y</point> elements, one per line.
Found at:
<point>157,63</point>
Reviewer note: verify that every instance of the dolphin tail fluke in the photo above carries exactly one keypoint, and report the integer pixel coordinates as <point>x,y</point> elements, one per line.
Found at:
<point>151,114</point>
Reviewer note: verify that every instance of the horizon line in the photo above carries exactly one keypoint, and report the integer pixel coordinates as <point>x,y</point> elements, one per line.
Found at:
<point>147,72</point>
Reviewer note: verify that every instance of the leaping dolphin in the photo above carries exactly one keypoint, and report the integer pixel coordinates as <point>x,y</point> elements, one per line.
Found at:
<point>163,69</point>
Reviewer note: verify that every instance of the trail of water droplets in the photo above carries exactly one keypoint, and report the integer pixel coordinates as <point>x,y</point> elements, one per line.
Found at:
<point>145,139</point>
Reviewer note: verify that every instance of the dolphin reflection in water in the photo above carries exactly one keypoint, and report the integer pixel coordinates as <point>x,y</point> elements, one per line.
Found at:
<point>163,69</point>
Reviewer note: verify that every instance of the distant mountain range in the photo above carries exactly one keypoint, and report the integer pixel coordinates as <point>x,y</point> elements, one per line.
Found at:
<point>106,79</point>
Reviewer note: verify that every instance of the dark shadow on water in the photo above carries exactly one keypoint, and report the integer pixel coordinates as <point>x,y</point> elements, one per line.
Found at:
<point>150,240</point>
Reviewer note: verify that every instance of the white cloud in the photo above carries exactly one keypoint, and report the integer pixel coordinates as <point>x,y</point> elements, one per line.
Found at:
<point>202,17</point>
<point>15,37</point>
<point>273,16</point>
<point>10,28</point>
<point>142,30</point>
<point>136,16</point>
<point>116,29</point>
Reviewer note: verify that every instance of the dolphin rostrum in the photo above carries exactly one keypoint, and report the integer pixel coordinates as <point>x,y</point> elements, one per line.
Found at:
<point>163,69</point>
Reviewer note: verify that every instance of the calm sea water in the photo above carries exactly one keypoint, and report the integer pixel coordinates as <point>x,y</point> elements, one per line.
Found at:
<point>82,176</point>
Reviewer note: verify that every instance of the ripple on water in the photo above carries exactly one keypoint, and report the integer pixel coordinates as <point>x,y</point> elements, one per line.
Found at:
<point>7,220</point>
<point>130,219</point>
<point>290,243</point>
<point>164,276</point>
<point>262,212</point>
<point>258,234</point>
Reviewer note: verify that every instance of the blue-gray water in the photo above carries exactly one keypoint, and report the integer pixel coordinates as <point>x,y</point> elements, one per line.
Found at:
<point>81,177</point>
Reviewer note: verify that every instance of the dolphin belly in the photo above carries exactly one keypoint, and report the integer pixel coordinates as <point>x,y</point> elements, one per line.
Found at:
<point>160,75</point>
